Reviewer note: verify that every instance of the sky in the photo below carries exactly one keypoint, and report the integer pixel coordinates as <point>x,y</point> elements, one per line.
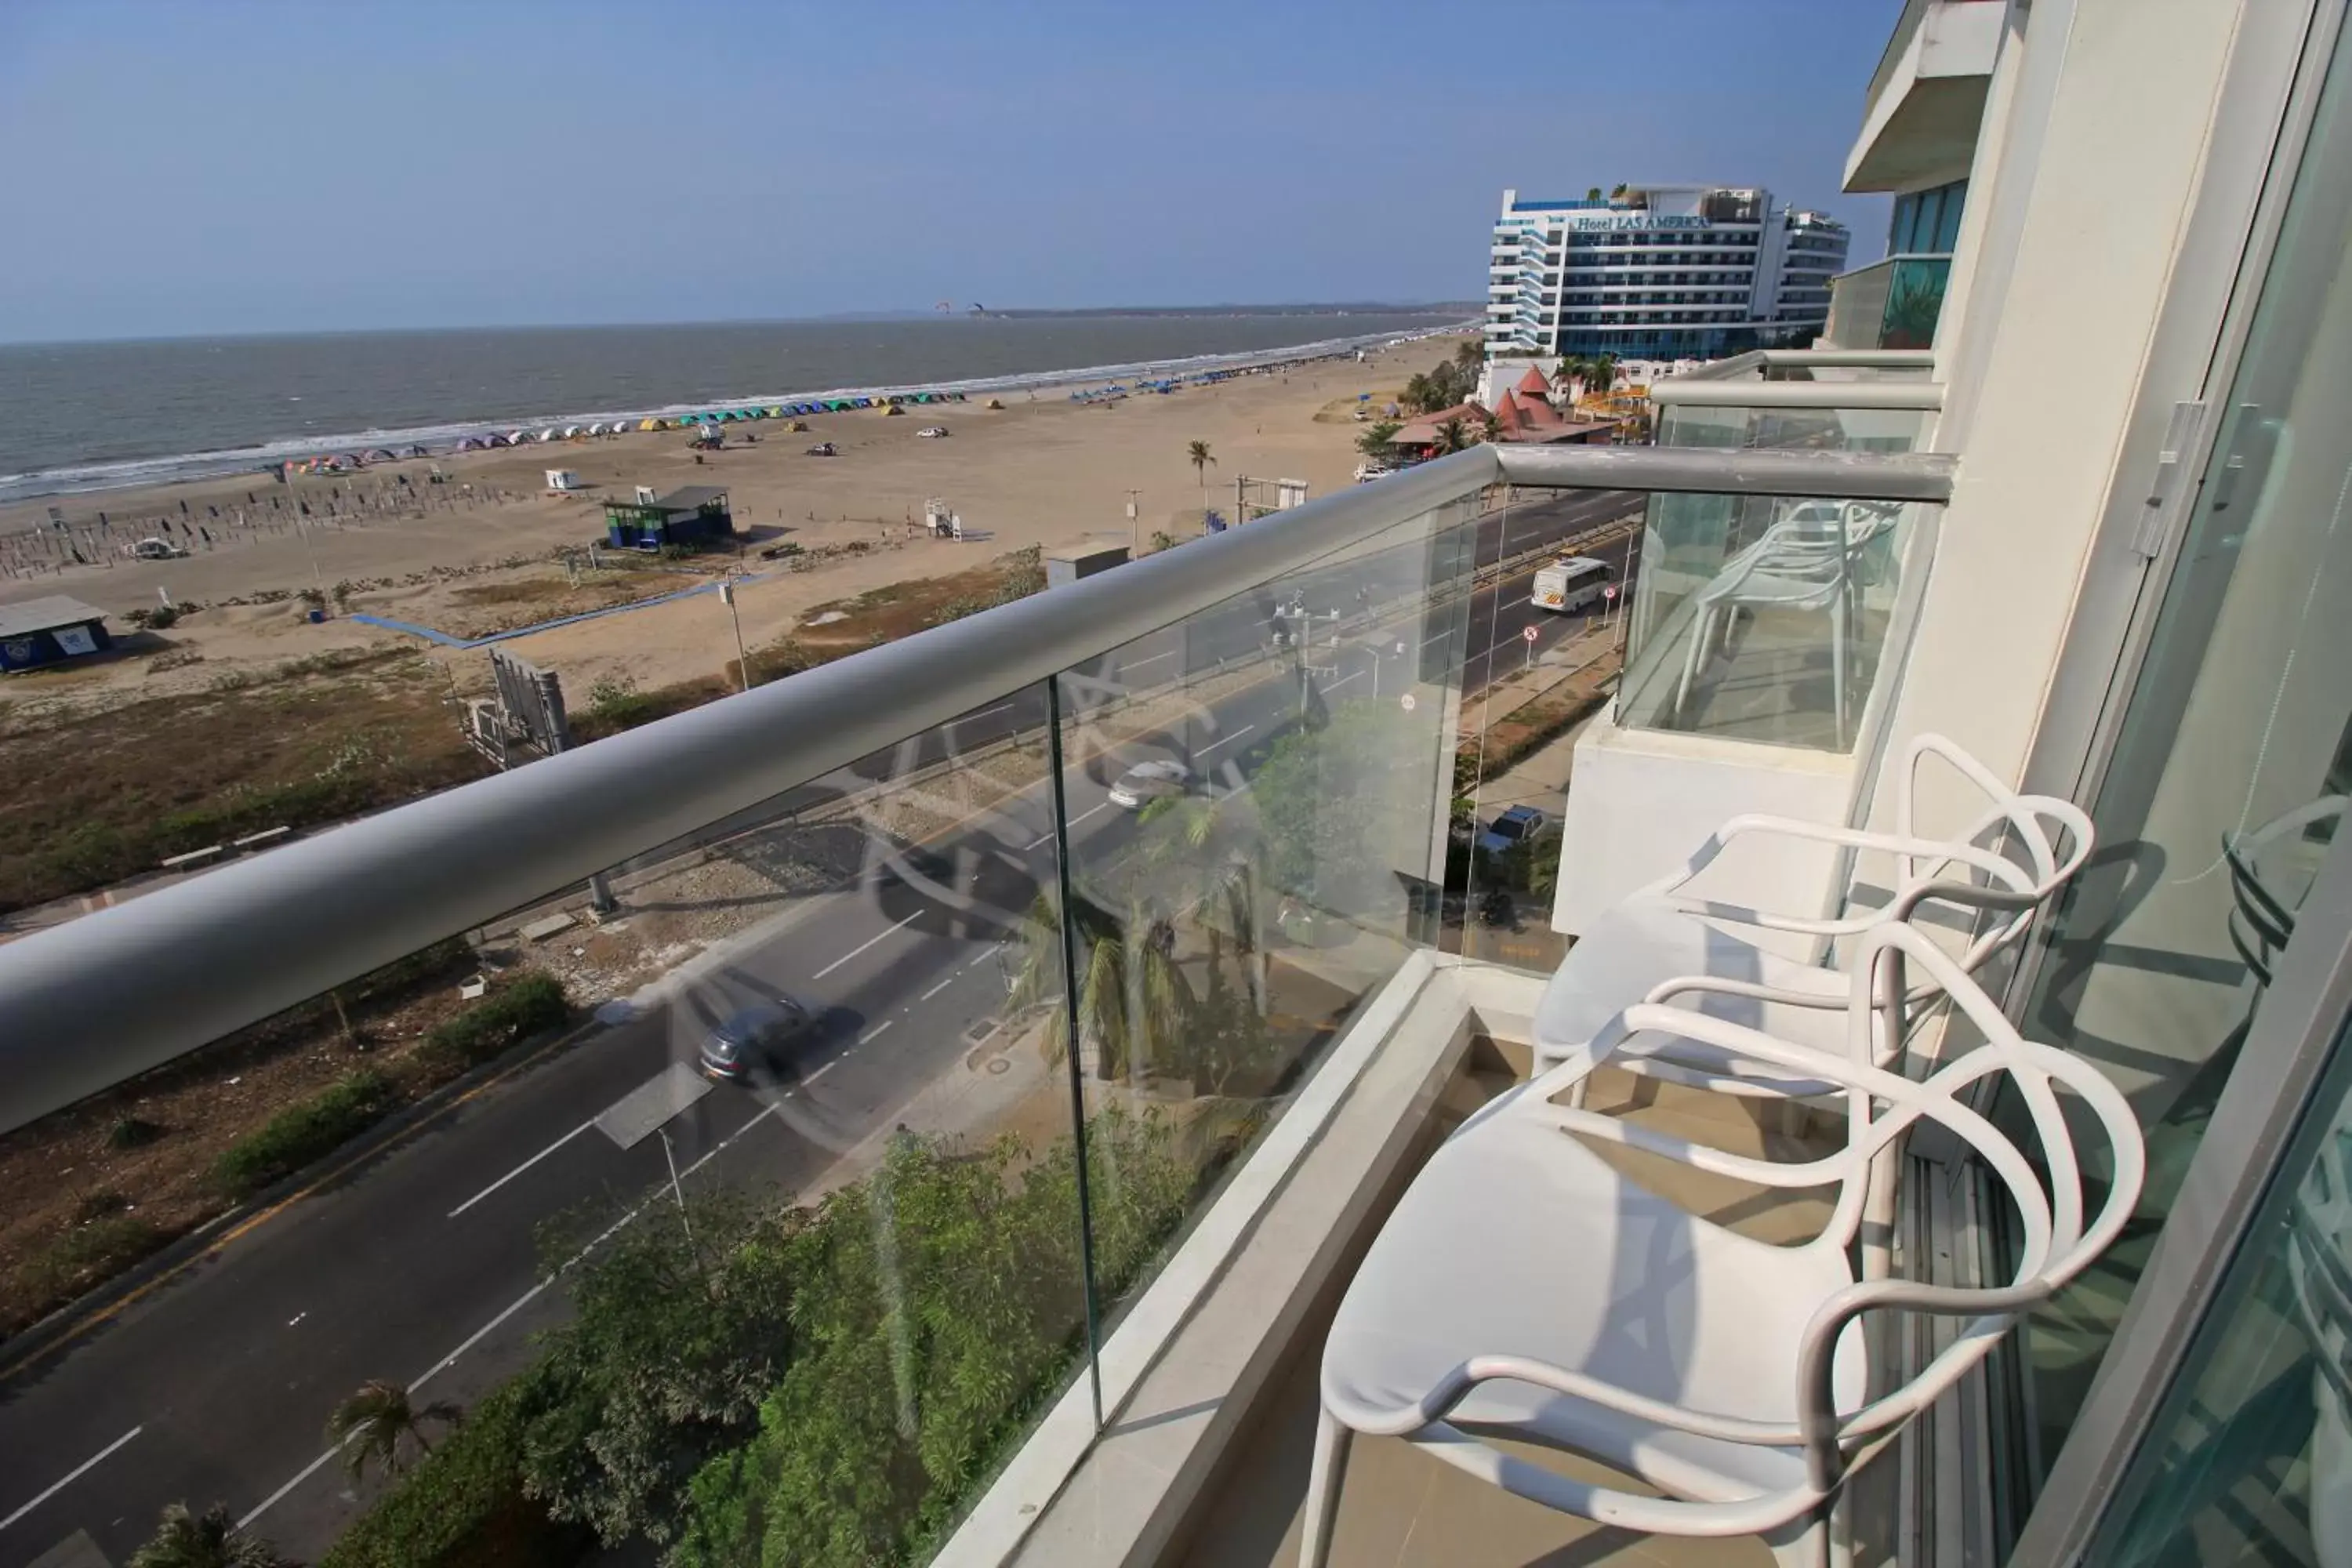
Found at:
<point>182,168</point>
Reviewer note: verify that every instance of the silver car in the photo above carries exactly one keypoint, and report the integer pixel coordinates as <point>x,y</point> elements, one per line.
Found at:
<point>1147,782</point>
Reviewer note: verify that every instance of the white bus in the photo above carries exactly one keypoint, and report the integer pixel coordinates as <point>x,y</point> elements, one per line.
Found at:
<point>1574,582</point>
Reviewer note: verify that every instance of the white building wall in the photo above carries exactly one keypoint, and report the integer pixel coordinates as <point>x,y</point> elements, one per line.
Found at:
<point>2082,291</point>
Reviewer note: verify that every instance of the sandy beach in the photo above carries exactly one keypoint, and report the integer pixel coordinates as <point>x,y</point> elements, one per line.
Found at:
<point>480,550</point>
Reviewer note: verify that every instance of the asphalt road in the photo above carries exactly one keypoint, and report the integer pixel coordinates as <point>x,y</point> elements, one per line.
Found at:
<point>421,1264</point>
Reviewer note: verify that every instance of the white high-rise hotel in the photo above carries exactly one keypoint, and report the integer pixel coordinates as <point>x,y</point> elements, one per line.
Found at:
<point>1659,272</point>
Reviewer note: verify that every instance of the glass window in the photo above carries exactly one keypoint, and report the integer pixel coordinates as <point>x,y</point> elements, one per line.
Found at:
<point>2250,1460</point>
<point>2227,774</point>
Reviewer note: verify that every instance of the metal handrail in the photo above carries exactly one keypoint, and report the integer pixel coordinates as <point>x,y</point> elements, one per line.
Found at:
<point>118,991</point>
<point>1690,393</point>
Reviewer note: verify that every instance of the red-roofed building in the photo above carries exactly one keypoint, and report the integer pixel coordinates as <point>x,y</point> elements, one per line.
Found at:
<point>1535,384</point>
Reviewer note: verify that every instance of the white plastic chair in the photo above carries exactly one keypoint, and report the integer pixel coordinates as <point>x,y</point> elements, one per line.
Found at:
<point>1664,941</point>
<point>1807,561</point>
<point>1524,1289</point>
<point>2266,884</point>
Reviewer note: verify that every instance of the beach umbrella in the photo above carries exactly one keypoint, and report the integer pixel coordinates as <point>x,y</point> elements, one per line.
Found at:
<point>776,412</point>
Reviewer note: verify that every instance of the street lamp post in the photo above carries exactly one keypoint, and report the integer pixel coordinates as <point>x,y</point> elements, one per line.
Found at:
<point>742,659</point>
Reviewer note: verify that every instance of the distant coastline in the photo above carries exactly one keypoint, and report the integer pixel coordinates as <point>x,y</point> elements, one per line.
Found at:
<point>78,418</point>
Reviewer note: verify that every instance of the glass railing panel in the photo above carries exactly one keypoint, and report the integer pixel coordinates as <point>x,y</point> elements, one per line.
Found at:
<point>739,1212</point>
<point>1257,807</point>
<point>1764,618</point>
<point>1788,428</point>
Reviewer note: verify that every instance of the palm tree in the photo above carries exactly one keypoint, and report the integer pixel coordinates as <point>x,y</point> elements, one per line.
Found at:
<point>1469,357</point>
<point>1417,394</point>
<point>379,1423</point>
<point>1202,460</point>
<point>1450,436</point>
<point>1132,999</point>
<point>185,1541</point>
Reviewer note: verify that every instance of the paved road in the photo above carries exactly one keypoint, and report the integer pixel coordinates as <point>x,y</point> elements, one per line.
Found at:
<point>421,1265</point>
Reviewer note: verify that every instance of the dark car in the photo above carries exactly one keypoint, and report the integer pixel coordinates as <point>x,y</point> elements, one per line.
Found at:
<point>752,1042</point>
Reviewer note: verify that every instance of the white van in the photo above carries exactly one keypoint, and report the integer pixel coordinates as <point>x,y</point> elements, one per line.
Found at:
<point>1572,583</point>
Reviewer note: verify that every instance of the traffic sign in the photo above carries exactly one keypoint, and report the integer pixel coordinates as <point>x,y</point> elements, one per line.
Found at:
<point>1407,700</point>
<point>1609,592</point>
<point>1530,633</point>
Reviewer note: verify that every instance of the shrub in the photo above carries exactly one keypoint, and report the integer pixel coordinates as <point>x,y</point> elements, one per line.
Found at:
<point>520,1008</point>
<point>155,619</point>
<point>462,1505</point>
<point>304,1132</point>
<point>132,1132</point>
<point>97,1249</point>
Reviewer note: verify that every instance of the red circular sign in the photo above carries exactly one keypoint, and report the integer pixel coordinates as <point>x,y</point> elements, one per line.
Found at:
<point>1530,633</point>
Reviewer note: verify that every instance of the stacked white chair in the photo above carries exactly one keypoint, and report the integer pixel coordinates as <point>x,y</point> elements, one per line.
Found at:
<point>1525,1289</point>
<point>1666,942</point>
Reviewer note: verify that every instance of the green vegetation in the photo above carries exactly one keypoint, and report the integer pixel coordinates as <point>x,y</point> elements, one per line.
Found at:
<point>1374,441</point>
<point>379,1425</point>
<point>817,1386</point>
<point>303,1133</point>
<point>97,1248</point>
<point>462,1506</point>
<point>132,1132</point>
<point>937,1305</point>
<point>509,1014</point>
<point>186,1540</point>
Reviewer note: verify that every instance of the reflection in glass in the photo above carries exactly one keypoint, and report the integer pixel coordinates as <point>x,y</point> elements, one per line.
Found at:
<point>2220,793</point>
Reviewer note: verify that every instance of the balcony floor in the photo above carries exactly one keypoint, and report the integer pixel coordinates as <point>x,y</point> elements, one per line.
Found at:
<point>1402,1508</point>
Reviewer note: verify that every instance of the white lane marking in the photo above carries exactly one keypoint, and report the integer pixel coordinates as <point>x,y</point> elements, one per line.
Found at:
<point>720,1147</point>
<point>518,1169</point>
<point>1096,810</point>
<point>1155,658</point>
<point>1342,681</point>
<point>877,1032</point>
<point>822,1070</point>
<point>1000,708</point>
<point>861,947</point>
<point>942,986</point>
<point>477,1337</point>
<point>76,1474</point>
<point>1205,751</point>
<point>985,954</point>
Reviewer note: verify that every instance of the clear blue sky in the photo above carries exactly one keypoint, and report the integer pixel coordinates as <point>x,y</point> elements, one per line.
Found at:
<point>195,166</point>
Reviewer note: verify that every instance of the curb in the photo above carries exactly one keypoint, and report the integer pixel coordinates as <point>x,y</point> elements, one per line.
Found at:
<point>21,1350</point>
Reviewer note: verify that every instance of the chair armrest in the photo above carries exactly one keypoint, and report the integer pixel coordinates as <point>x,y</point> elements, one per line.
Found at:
<point>1458,1385</point>
<point>1752,824</point>
<point>1827,1171</point>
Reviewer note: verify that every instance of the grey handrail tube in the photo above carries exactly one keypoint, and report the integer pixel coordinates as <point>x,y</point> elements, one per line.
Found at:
<point>99,999</point>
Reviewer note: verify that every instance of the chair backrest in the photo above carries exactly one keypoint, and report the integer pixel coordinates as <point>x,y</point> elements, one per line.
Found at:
<point>2057,1239</point>
<point>2053,837</point>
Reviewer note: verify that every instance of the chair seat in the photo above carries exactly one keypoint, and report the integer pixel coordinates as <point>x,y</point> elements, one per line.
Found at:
<point>1647,941</point>
<point>1515,1239</point>
<point>1770,588</point>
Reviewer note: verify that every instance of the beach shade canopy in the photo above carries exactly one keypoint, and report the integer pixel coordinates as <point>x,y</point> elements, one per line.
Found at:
<point>569,431</point>
<point>894,409</point>
<point>993,403</point>
<point>548,434</point>
<point>381,455</point>
<point>776,411</point>
<point>689,418</point>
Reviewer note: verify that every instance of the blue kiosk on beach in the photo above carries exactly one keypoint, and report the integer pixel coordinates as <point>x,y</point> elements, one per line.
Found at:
<point>693,518</point>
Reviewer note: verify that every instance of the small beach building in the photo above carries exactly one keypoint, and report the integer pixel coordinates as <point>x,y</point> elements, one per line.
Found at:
<point>1072,562</point>
<point>49,631</point>
<point>695,516</point>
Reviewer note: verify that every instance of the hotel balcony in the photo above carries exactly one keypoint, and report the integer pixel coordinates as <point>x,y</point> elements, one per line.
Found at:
<point>1111,1000</point>
<point>1896,303</point>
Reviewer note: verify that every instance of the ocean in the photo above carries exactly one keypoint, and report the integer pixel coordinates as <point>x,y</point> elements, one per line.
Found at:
<point>86,417</point>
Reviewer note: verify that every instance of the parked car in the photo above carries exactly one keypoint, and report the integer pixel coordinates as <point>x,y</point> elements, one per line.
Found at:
<point>153,550</point>
<point>1147,782</point>
<point>752,1043</point>
<point>933,432</point>
<point>822,449</point>
<point>1513,828</point>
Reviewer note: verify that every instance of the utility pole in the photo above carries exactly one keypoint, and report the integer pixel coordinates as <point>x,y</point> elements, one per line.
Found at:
<point>742,659</point>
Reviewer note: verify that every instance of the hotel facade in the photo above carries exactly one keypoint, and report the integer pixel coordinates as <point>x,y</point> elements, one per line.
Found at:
<point>1659,271</point>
